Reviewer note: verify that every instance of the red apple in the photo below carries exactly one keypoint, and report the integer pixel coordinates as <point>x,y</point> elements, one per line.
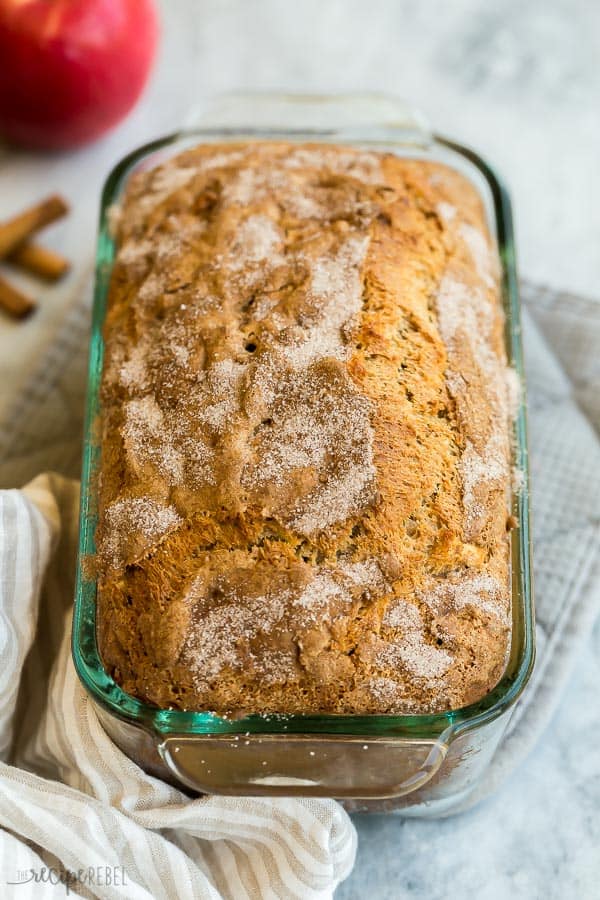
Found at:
<point>71,69</point>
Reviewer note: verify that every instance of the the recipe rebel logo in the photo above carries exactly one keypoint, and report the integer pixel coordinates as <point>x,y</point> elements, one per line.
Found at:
<point>93,876</point>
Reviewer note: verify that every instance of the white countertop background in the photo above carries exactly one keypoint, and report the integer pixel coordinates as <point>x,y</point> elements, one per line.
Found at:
<point>520,81</point>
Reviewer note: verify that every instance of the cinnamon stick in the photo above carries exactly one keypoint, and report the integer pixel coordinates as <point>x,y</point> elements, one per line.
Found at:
<point>14,302</point>
<point>18,229</point>
<point>40,261</point>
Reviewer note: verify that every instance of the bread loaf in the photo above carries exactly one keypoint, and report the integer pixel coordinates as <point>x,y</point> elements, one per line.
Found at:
<point>305,436</point>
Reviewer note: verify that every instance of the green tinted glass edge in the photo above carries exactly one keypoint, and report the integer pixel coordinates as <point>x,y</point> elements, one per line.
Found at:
<point>164,721</point>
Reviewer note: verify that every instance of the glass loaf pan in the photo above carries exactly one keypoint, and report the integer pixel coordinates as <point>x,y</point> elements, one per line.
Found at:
<point>419,765</point>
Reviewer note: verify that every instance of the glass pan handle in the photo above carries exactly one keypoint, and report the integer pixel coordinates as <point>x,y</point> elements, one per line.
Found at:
<point>302,765</point>
<point>366,115</point>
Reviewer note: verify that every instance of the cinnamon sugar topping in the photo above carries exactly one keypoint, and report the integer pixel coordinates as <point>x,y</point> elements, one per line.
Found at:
<point>480,592</point>
<point>466,317</point>
<point>225,637</point>
<point>134,525</point>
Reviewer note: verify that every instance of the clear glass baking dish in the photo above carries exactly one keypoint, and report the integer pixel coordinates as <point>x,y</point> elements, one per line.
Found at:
<point>422,765</point>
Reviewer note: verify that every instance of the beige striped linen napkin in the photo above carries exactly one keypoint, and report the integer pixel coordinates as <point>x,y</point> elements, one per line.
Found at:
<point>73,806</point>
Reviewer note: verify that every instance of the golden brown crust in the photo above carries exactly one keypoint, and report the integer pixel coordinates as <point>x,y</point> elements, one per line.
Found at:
<point>305,447</point>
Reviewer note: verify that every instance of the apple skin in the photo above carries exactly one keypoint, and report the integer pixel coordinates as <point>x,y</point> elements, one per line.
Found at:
<point>71,69</point>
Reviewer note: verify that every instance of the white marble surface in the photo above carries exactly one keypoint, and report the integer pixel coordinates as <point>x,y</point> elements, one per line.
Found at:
<point>520,81</point>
